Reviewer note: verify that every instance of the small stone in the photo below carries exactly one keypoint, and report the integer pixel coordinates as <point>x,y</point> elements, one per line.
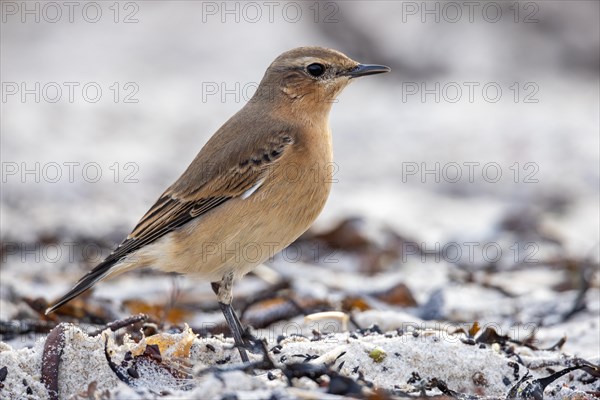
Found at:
<point>378,354</point>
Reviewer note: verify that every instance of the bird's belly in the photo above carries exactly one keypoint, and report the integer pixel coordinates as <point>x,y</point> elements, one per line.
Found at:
<point>243,233</point>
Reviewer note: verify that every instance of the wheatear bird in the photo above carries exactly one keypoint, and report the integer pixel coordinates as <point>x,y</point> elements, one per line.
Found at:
<point>255,187</point>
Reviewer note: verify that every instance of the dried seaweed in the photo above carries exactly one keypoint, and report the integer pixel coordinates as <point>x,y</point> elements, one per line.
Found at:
<point>53,349</point>
<point>14,328</point>
<point>534,389</point>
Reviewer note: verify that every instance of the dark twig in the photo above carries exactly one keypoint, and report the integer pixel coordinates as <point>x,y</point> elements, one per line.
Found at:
<point>579,304</point>
<point>121,323</point>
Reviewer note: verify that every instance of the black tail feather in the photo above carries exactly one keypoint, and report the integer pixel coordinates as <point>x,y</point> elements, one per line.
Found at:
<point>86,282</point>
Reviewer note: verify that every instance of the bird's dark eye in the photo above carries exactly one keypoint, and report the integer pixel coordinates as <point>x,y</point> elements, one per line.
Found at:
<point>316,69</point>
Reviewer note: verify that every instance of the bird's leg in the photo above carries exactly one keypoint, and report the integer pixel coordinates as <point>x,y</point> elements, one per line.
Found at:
<point>215,287</point>
<point>223,290</point>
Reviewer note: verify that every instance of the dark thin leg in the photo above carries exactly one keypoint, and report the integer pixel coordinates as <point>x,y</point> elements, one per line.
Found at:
<point>215,287</point>
<point>223,290</point>
<point>238,323</point>
<point>235,330</point>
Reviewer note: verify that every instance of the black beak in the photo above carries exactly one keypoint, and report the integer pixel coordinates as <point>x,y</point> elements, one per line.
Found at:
<point>367,69</point>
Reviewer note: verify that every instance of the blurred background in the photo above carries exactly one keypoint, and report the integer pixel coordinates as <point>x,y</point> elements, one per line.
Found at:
<point>473,165</point>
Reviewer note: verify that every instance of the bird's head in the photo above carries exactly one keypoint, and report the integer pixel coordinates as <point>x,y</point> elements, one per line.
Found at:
<point>310,78</point>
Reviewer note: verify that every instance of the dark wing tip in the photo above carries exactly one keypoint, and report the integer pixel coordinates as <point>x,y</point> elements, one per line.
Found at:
<point>86,282</point>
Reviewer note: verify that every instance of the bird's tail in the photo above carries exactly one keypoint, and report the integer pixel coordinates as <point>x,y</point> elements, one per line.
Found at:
<point>100,272</point>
